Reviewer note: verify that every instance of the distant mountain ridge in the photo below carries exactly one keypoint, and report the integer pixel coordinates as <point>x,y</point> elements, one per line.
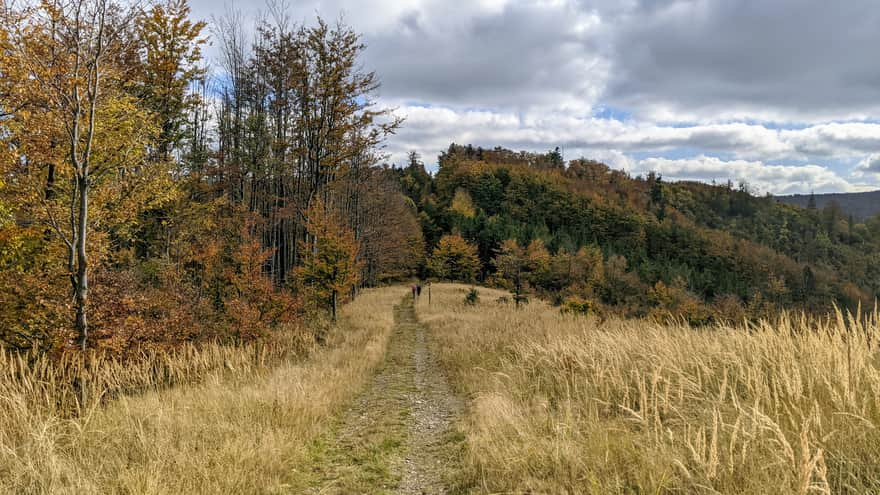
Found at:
<point>860,205</point>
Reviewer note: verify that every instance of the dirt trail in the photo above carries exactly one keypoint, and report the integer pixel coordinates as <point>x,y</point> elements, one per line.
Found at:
<point>399,435</point>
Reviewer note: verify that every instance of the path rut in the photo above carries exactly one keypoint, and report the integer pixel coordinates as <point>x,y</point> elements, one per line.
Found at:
<point>399,435</point>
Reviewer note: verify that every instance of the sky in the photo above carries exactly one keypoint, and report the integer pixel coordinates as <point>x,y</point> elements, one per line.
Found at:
<point>781,94</point>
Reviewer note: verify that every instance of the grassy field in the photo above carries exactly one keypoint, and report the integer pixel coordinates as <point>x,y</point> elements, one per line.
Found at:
<point>549,403</point>
<point>242,428</point>
<point>563,404</point>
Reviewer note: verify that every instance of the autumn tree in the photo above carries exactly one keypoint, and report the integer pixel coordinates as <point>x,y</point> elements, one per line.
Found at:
<point>170,83</point>
<point>78,136</point>
<point>392,246</point>
<point>170,46</point>
<point>512,264</point>
<point>298,121</point>
<point>127,199</point>
<point>454,258</point>
<point>330,267</point>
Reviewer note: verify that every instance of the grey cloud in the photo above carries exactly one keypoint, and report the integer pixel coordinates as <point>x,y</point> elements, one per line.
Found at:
<point>870,166</point>
<point>873,164</point>
<point>527,75</point>
<point>522,57</point>
<point>781,59</point>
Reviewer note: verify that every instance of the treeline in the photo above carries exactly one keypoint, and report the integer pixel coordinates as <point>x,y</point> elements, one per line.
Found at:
<point>145,203</point>
<point>594,239</point>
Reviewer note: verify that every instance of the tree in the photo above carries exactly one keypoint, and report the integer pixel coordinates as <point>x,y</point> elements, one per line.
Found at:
<point>455,259</point>
<point>392,247</point>
<point>512,264</point>
<point>658,199</point>
<point>330,267</point>
<point>171,55</point>
<point>297,121</point>
<point>415,181</point>
<point>463,204</point>
<point>63,61</point>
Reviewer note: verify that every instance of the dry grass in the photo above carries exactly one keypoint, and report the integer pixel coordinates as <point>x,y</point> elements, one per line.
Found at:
<point>241,429</point>
<point>560,404</point>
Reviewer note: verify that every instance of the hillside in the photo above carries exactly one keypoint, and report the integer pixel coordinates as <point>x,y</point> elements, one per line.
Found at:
<point>584,234</point>
<point>861,205</point>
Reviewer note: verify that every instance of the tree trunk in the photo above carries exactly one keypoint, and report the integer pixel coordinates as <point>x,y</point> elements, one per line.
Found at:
<point>333,306</point>
<point>82,284</point>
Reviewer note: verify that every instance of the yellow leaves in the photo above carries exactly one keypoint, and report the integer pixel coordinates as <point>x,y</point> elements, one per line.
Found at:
<point>330,266</point>
<point>577,305</point>
<point>511,260</point>
<point>454,258</point>
<point>538,255</point>
<point>463,204</point>
<point>5,211</point>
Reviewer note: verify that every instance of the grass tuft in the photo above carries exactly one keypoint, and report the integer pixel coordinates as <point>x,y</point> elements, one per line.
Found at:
<point>568,404</point>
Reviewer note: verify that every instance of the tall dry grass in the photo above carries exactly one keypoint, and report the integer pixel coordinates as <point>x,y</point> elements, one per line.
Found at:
<point>563,404</point>
<point>240,429</point>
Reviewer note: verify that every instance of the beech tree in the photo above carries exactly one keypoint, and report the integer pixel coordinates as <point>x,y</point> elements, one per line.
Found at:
<point>73,127</point>
<point>330,267</point>
<point>148,212</point>
<point>297,122</point>
<point>454,258</point>
<point>392,246</point>
<point>170,46</point>
<point>512,264</point>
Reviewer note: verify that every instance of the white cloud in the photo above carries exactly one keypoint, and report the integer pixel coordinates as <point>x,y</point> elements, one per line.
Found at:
<point>761,177</point>
<point>869,166</point>
<point>430,130</point>
<point>697,77</point>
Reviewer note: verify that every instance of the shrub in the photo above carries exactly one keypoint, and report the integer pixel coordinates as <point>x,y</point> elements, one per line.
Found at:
<point>472,297</point>
<point>577,305</point>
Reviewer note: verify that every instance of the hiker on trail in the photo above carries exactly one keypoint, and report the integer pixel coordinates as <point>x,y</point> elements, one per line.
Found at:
<point>413,291</point>
<point>418,290</point>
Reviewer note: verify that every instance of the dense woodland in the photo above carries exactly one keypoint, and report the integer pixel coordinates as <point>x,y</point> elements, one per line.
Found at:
<point>594,239</point>
<point>145,203</point>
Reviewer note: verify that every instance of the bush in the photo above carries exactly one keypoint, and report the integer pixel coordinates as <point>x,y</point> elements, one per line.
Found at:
<point>472,297</point>
<point>577,305</point>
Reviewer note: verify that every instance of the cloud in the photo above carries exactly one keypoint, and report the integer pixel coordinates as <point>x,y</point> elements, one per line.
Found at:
<point>834,139</point>
<point>755,141</point>
<point>783,60</point>
<point>524,55</point>
<point>870,165</point>
<point>491,53</point>
<point>761,177</point>
<point>751,146</point>
<point>787,82</point>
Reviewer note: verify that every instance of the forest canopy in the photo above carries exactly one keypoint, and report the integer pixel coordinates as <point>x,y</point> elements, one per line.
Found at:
<point>595,239</point>
<point>144,203</point>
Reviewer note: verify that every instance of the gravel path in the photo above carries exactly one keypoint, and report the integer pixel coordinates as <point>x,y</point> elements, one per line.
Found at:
<point>399,435</point>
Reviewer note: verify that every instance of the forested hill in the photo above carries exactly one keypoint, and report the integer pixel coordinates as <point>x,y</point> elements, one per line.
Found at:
<point>596,239</point>
<point>861,205</point>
